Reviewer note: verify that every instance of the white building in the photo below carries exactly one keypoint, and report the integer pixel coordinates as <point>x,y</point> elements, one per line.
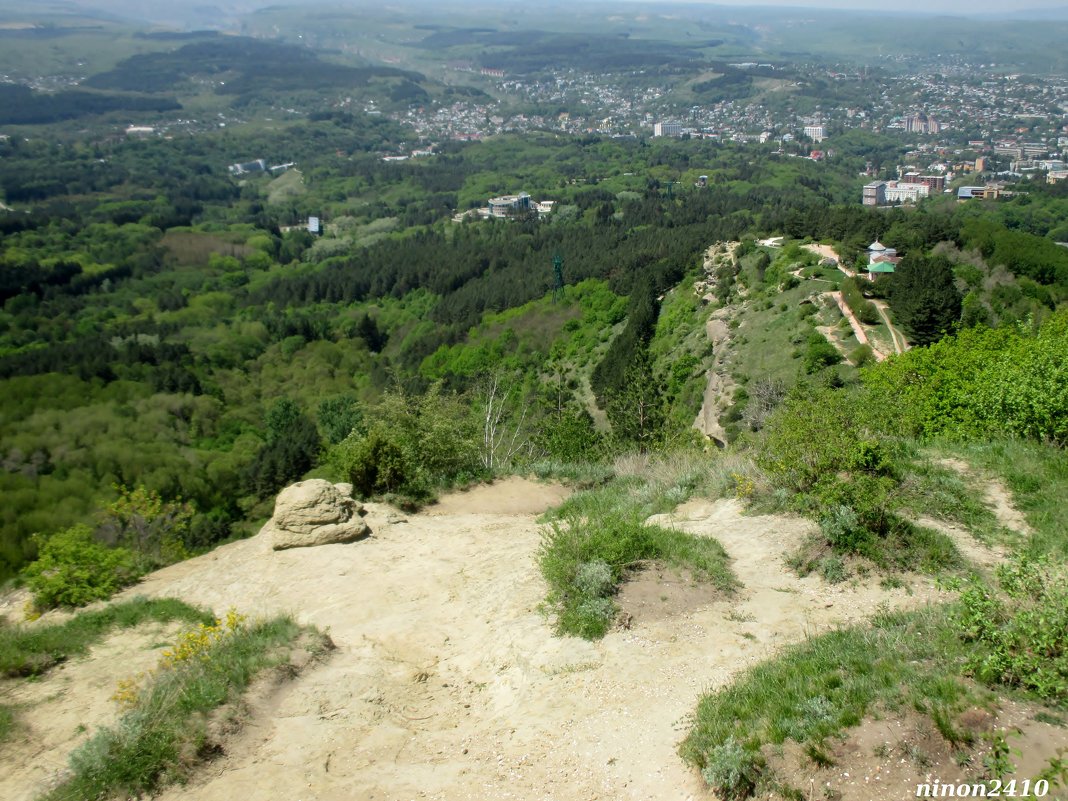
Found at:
<point>875,194</point>
<point>667,129</point>
<point>259,165</point>
<point>509,205</point>
<point>899,192</point>
<point>817,133</point>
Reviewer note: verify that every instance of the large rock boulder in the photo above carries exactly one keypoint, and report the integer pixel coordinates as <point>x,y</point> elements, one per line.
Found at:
<point>315,512</point>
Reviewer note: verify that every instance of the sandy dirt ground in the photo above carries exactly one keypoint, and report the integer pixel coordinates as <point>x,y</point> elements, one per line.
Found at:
<point>57,714</point>
<point>448,682</point>
<point>823,251</point>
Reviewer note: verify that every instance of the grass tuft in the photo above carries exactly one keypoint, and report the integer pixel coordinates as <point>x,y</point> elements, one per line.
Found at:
<point>7,722</point>
<point>596,537</point>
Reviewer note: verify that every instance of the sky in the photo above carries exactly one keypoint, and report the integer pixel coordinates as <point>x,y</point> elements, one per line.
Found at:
<point>956,7</point>
<point>963,8</point>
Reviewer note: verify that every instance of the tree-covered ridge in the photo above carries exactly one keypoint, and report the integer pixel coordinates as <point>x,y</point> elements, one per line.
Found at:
<point>240,65</point>
<point>20,105</point>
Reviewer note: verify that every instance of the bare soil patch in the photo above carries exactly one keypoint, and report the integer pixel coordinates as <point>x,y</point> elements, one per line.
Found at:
<point>657,592</point>
<point>509,496</point>
<point>61,710</point>
<point>887,759</point>
<point>973,550</point>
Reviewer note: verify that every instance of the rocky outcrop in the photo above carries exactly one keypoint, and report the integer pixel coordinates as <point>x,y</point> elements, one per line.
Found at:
<point>718,392</point>
<point>315,512</point>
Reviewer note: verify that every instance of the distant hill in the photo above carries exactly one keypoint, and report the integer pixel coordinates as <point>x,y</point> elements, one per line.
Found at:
<point>1059,14</point>
<point>19,105</point>
<point>241,65</point>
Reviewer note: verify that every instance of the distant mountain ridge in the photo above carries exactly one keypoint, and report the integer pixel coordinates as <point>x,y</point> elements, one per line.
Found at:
<point>1059,14</point>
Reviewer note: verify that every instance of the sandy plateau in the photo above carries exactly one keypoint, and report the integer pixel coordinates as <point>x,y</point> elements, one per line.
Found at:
<point>448,682</point>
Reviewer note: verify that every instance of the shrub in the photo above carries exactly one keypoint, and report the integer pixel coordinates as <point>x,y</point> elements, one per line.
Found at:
<point>411,446</point>
<point>589,618</point>
<point>569,436</point>
<point>842,528</point>
<point>819,353</point>
<point>377,464</point>
<point>732,770</point>
<point>862,355</point>
<point>832,569</point>
<point>73,569</point>
<point>594,578</point>
<point>809,436</point>
<point>864,309</point>
<point>156,531</point>
<point>1021,632</point>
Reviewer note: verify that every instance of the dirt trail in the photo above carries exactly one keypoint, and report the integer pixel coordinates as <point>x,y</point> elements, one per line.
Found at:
<point>900,343</point>
<point>854,323</point>
<point>449,684</point>
<point>56,715</point>
<point>996,496</point>
<point>897,339</point>
<point>823,251</point>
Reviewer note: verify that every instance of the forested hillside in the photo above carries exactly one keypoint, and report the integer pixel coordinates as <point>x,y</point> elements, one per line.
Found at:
<point>294,270</point>
<point>169,326</point>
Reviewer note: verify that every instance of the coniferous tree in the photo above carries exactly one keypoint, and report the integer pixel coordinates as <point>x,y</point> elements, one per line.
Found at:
<point>924,298</point>
<point>636,409</point>
<point>292,448</point>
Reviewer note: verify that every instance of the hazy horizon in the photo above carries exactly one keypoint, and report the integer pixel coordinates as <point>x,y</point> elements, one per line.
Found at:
<point>968,8</point>
<point>952,7</point>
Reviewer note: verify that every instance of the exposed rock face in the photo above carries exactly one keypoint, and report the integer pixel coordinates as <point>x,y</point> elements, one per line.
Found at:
<point>718,391</point>
<point>315,512</point>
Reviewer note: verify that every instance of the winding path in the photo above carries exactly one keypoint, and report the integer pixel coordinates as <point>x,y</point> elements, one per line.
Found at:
<point>897,338</point>
<point>900,343</point>
<point>858,329</point>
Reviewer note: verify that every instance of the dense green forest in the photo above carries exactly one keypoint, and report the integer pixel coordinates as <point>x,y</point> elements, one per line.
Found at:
<point>171,327</point>
<point>19,105</point>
